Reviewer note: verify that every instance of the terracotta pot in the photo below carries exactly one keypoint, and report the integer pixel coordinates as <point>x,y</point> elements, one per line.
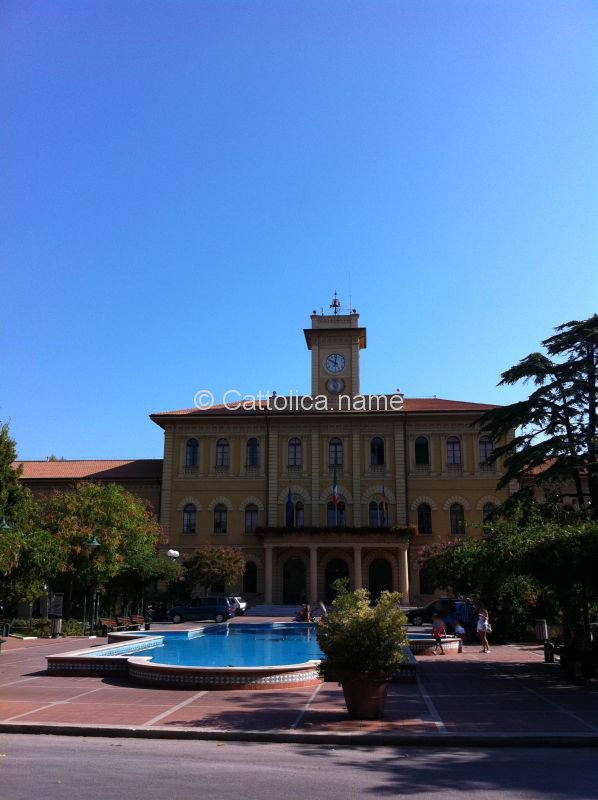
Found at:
<point>365,695</point>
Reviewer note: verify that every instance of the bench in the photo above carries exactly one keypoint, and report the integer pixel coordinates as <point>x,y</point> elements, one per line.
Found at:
<point>126,624</point>
<point>109,624</point>
<point>138,620</point>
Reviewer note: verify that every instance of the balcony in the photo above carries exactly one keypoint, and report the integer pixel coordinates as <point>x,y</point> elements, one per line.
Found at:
<point>488,468</point>
<point>295,468</point>
<point>191,469</point>
<point>456,469</point>
<point>422,469</point>
<point>222,468</point>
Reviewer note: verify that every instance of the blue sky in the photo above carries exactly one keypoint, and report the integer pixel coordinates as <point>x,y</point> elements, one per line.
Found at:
<point>183,182</point>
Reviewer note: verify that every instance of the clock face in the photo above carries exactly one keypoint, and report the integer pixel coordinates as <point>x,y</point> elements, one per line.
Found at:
<point>335,362</point>
<point>335,385</point>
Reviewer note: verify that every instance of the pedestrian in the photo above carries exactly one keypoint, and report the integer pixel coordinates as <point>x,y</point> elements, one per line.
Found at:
<point>483,628</point>
<point>438,632</point>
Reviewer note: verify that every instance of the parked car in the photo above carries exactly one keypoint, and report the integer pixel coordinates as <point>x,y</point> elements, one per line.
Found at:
<point>238,604</point>
<point>217,608</point>
<point>447,608</point>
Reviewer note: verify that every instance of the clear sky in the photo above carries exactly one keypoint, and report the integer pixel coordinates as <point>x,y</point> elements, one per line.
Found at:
<point>183,182</point>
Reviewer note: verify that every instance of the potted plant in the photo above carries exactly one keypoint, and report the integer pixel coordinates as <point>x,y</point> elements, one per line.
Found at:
<point>363,646</point>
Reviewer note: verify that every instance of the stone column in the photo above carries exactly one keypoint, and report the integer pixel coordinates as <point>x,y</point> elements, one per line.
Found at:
<point>358,580</point>
<point>169,470</point>
<point>273,479</point>
<point>404,575</point>
<point>313,575</point>
<point>315,477</point>
<point>268,575</point>
<point>357,467</point>
<point>400,468</point>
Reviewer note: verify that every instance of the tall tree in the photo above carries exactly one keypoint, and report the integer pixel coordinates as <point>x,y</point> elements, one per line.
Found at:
<point>551,436</point>
<point>209,565</point>
<point>15,504</point>
<point>126,533</point>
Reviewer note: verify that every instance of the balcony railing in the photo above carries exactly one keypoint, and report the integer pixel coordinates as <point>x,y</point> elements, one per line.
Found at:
<point>422,469</point>
<point>454,468</point>
<point>485,467</point>
<point>191,469</point>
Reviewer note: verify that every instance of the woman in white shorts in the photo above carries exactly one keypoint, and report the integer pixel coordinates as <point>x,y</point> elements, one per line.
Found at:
<point>483,629</point>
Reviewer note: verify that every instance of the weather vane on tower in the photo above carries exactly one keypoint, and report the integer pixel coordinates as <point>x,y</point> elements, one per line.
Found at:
<point>336,304</point>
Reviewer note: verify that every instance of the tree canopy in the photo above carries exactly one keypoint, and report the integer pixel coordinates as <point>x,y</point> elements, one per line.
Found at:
<point>551,437</point>
<point>213,565</point>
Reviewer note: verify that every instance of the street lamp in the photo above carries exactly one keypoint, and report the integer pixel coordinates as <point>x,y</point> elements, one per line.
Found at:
<point>93,546</point>
<point>173,554</point>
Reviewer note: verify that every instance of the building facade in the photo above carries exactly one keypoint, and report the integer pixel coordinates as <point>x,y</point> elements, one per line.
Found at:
<point>333,484</point>
<point>329,485</point>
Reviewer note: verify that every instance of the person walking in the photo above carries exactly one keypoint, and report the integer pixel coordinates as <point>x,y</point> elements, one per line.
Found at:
<point>438,631</point>
<point>483,628</point>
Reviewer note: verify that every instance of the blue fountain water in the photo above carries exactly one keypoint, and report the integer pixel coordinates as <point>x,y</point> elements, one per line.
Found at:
<point>252,645</point>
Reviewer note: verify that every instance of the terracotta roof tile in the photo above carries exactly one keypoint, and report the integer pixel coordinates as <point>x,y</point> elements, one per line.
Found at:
<point>411,405</point>
<point>113,469</point>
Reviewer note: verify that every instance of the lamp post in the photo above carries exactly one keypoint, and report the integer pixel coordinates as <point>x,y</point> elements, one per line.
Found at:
<point>173,555</point>
<point>93,546</point>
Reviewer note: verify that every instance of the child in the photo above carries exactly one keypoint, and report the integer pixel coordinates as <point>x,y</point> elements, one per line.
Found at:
<point>438,631</point>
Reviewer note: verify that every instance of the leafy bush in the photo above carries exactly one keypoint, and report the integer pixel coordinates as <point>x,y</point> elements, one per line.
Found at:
<point>356,637</point>
<point>32,627</point>
<point>72,627</point>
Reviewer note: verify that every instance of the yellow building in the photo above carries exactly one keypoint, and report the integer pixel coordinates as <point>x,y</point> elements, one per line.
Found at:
<point>261,476</point>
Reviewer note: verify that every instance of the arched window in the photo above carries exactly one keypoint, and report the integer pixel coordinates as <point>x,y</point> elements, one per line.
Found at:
<point>422,450</point>
<point>295,455</point>
<point>485,448</point>
<point>335,453</point>
<point>299,514</point>
<point>252,457</point>
<point>376,451</point>
<point>453,451</point>
<point>220,518</point>
<point>192,453</point>
<point>377,514</point>
<point>250,578</point>
<point>251,514</point>
<point>222,453</point>
<point>189,518</point>
<point>335,517</point>
<point>457,516</point>
<point>424,518</point>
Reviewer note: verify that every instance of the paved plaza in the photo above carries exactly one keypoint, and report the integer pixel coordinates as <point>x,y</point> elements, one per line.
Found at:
<point>509,694</point>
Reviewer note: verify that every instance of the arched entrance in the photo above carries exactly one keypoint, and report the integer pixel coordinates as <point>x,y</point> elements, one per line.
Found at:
<point>380,577</point>
<point>336,568</point>
<point>293,581</point>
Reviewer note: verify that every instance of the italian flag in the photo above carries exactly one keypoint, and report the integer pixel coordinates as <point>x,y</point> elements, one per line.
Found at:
<point>335,492</point>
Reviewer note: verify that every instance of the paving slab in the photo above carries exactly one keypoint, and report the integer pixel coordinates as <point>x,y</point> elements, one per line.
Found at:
<point>470,697</point>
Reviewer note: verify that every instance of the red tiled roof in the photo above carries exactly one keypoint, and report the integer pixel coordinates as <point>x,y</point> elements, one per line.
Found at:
<point>411,405</point>
<point>113,469</point>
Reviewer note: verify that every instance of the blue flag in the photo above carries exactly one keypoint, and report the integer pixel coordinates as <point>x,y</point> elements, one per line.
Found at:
<point>290,511</point>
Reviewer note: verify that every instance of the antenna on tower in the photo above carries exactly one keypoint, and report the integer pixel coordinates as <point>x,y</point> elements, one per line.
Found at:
<point>350,302</point>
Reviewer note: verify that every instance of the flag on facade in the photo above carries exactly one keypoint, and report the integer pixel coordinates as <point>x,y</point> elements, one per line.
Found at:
<point>290,510</point>
<point>384,520</point>
<point>335,492</point>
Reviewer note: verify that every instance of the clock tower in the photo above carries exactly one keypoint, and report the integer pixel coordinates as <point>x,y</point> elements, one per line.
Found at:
<point>335,341</point>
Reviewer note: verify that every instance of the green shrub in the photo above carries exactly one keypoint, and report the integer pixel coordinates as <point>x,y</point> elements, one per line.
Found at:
<point>32,627</point>
<point>72,627</point>
<point>356,637</point>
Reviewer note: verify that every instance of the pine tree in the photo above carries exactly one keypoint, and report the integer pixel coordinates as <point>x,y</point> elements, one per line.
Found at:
<point>555,428</point>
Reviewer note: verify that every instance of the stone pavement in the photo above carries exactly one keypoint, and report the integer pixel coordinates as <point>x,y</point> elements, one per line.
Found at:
<point>509,696</point>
